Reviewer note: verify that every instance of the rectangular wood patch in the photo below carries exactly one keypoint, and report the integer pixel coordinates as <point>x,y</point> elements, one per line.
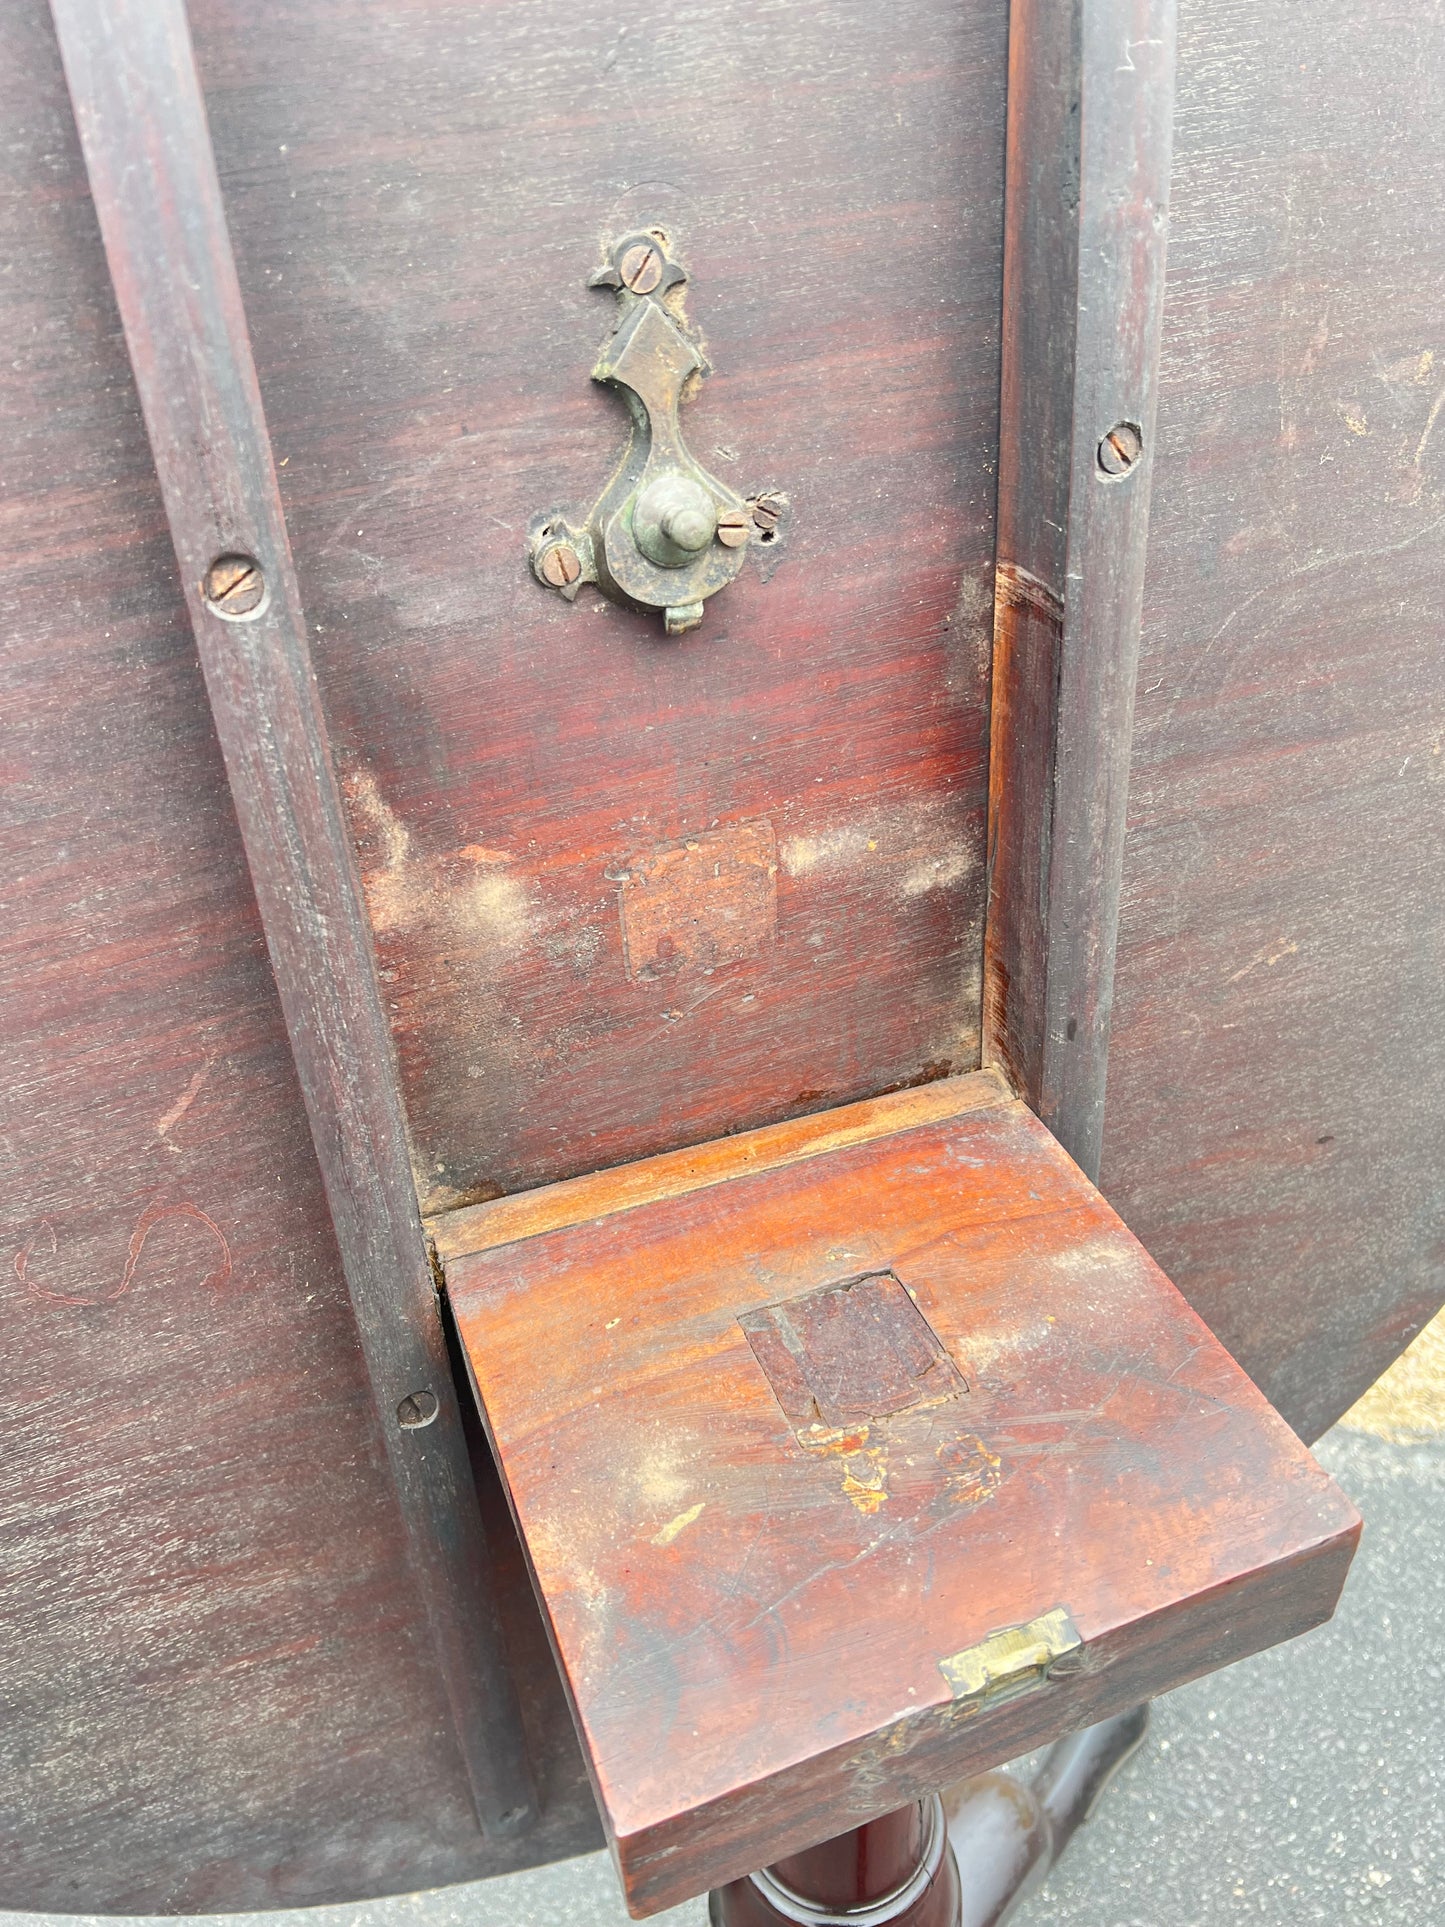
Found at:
<point>704,901</point>
<point>850,1352</point>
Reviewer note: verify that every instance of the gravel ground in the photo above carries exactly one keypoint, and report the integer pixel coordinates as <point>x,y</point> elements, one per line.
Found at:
<point>1304,1785</point>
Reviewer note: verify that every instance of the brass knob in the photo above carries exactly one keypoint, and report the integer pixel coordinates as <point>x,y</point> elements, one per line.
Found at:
<point>674,520</point>
<point>663,534</point>
<point>690,526</point>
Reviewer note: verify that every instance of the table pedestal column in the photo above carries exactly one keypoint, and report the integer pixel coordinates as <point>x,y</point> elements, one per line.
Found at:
<point>897,1871</point>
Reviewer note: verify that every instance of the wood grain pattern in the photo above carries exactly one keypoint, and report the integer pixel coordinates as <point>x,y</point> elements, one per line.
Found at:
<point>832,177</point>
<point>1277,1085</point>
<point>142,126</point>
<point>1091,96</point>
<point>508,1220</point>
<point>215,1680</point>
<point>215,1670</point>
<point>752,1611</point>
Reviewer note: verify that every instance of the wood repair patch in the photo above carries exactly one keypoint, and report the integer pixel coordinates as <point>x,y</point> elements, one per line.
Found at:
<point>703,901</point>
<point>851,1353</point>
<point>852,1365</point>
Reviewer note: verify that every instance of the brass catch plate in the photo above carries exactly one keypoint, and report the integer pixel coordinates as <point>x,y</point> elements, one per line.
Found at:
<point>664,534</point>
<point>1011,1661</point>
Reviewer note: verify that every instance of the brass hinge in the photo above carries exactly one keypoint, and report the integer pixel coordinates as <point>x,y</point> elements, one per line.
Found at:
<point>1013,1660</point>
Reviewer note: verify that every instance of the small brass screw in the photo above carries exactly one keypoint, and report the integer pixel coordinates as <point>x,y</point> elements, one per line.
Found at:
<point>1120,449</point>
<point>561,565</point>
<point>732,528</point>
<point>767,512</point>
<point>417,1410</point>
<point>641,268</point>
<point>234,585</point>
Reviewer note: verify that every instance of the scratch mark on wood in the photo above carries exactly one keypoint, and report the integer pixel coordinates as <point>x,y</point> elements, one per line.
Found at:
<point>973,1472</point>
<point>186,1099</point>
<point>155,1213</point>
<point>1271,954</point>
<point>1317,565</point>
<point>1424,441</point>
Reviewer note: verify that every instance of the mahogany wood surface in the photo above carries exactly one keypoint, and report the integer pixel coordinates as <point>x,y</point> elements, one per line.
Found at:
<point>217,1684</point>
<point>1276,1105</point>
<point>896,1871</point>
<point>1091,100</point>
<point>752,1609</point>
<point>142,125</point>
<point>416,202</point>
<point>214,1666</point>
<point>507,1221</point>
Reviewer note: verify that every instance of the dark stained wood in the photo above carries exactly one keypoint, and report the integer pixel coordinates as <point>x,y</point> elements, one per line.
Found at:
<point>850,1352</point>
<point>897,1871</point>
<point>1004,1831</point>
<point>416,209</point>
<point>142,126</point>
<point>218,1685</point>
<point>217,1679</point>
<point>1276,1121</point>
<point>1090,117</point>
<point>1009,1829</point>
<point>885,1853</point>
<point>768,1628</point>
<point>693,906</point>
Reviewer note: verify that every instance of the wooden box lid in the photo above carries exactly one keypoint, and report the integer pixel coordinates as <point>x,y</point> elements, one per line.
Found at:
<point>859,1454</point>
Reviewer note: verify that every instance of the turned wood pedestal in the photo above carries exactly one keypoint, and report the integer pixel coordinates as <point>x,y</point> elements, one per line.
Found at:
<point>963,1860</point>
<point>897,1871</point>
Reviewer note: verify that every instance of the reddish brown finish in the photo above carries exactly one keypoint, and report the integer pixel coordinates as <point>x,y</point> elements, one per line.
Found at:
<point>690,907</point>
<point>752,1622</point>
<point>833,180</point>
<point>1008,1831</point>
<point>849,1353</point>
<point>1276,1123</point>
<point>142,127</point>
<point>215,1666</point>
<point>182,1733</point>
<point>867,1867</point>
<point>861,1866</point>
<point>1091,97</point>
<point>503,1221</point>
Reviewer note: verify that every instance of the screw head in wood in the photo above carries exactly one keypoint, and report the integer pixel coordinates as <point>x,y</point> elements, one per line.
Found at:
<point>417,1410</point>
<point>767,512</point>
<point>732,528</point>
<point>641,268</point>
<point>234,585</point>
<point>1120,449</point>
<point>560,565</point>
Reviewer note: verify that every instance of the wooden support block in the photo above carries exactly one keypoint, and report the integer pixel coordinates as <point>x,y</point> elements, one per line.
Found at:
<point>858,1455</point>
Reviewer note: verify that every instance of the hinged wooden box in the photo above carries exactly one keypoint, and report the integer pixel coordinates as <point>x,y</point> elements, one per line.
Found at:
<point>856,1454</point>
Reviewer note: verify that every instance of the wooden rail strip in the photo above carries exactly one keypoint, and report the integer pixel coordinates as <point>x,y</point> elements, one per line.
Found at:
<point>1090,137</point>
<point>142,122</point>
<point>602,1194</point>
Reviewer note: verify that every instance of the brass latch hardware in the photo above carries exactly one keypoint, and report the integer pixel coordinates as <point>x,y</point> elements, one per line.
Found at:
<point>664,533</point>
<point>1013,1660</point>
